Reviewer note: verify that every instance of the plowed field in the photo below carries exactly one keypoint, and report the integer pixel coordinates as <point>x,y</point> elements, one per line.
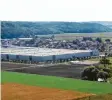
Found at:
<point>11,91</point>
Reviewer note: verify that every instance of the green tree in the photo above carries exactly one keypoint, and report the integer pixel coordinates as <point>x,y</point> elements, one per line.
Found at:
<point>90,73</point>
<point>105,61</point>
<point>103,74</point>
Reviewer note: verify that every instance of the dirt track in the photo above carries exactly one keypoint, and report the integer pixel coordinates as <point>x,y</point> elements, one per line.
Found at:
<point>64,70</point>
<point>24,92</point>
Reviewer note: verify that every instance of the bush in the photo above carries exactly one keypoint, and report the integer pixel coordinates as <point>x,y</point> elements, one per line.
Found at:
<point>108,70</point>
<point>105,61</point>
<point>102,74</point>
<point>93,73</point>
<point>90,73</point>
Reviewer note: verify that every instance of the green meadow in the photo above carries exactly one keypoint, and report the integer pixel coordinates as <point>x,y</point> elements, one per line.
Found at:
<point>56,82</point>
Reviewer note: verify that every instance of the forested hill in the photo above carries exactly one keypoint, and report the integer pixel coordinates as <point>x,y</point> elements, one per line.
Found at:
<point>105,23</point>
<point>26,29</point>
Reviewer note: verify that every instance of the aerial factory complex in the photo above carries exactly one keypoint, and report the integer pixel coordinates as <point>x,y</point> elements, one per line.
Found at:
<point>34,54</point>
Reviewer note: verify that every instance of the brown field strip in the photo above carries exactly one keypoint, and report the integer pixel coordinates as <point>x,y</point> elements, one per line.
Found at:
<point>11,91</point>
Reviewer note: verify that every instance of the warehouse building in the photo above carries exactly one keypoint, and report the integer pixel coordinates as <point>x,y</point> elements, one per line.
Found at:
<point>34,54</point>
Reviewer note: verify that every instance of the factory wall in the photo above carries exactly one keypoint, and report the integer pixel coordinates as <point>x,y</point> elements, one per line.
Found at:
<point>37,58</point>
<point>82,54</point>
<point>50,57</point>
<point>62,56</point>
<point>41,58</point>
<point>3,56</point>
<point>24,57</point>
<point>12,57</point>
<point>45,58</point>
<point>95,53</point>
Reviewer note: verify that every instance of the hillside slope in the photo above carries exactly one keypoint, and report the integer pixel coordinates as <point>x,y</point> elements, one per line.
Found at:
<point>105,23</point>
<point>29,29</point>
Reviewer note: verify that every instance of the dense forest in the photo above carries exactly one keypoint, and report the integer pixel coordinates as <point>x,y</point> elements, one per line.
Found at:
<point>18,29</point>
<point>105,23</point>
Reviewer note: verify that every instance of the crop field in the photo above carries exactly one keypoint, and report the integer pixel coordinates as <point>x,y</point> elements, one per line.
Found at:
<point>21,92</point>
<point>72,36</point>
<point>98,59</point>
<point>56,82</point>
<point>99,97</point>
<point>62,70</point>
<point>22,86</point>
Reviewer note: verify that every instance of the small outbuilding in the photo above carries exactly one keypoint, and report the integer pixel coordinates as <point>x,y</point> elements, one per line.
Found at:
<point>101,80</point>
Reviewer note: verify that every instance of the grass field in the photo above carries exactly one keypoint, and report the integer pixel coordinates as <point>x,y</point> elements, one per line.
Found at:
<point>56,82</point>
<point>72,36</point>
<point>98,97</point>
<point>98,59</point>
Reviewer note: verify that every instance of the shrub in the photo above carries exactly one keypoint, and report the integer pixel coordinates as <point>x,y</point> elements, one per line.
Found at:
<point>90,73</point>
<point>102,74</point>
<point>105,61</point>
<point>93,73</point>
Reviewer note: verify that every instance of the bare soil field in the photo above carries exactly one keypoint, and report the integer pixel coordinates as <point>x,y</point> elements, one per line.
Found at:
<point>24,92</point>
<point>63,70</point>
<point>9,65</point>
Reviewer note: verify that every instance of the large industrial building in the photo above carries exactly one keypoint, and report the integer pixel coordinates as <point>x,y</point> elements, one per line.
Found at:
<point>34,54</point>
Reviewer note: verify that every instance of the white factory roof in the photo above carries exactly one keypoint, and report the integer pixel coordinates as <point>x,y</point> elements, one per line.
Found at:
<point>25,38</point>
<point>38,51</point>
